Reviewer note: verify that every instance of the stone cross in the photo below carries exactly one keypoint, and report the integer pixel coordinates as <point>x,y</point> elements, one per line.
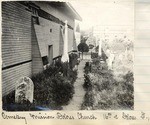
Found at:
<point>24,90</point>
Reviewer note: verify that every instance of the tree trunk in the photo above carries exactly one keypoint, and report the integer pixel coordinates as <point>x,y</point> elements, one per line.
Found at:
<point>82,55</point>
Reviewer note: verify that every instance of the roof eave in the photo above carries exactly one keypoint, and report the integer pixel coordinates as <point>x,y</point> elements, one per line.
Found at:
<point>77,16</point>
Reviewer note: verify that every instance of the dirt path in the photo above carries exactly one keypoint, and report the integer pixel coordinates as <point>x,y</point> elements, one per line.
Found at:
<point>75,103</point>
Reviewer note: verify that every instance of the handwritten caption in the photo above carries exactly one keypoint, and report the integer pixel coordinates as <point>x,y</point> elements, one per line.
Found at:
<point>77,115</point>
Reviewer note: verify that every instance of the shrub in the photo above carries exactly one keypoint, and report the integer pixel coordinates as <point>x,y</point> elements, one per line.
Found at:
<point>54,86</point>
<point>72,76</point>
<point>96,61</point>
<point>88,100</point>
<point>42,90</point>
<point>121,89</point>
<point>126,98</point>
<point>94,55</point>
<point>65,68</point>
<point>62,90</point>
<point>73,60</point>
<point>87,82</point>
<point>87,68</point>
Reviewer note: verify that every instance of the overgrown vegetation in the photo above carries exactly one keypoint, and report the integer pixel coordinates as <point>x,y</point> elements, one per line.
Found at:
<point>56,84</point>
<point>103,91</point>
<point>53,87</point>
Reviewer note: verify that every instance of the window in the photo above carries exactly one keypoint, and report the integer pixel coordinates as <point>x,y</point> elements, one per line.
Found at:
<point>34,10</point>
<point>35,20</point>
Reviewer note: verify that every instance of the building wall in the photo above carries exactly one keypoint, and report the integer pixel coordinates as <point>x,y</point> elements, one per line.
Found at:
<point>16,44</point>
<point>37,64</point>
<point>45,37</point>
<point>57,13</point>
<point>24,43</point>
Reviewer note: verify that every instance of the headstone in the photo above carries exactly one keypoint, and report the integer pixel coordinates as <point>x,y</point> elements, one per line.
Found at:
<point>24,90</point>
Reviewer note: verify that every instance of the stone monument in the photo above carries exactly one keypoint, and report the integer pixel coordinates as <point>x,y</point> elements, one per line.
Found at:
<point>24,90</point>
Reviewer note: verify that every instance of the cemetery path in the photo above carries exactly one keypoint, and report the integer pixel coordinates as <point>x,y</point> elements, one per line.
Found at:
<point>78,97</point>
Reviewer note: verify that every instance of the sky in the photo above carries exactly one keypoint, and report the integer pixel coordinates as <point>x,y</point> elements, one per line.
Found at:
<point>104,12</point>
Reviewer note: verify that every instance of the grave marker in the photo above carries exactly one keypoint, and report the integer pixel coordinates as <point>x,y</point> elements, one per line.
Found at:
<point>24,90</point>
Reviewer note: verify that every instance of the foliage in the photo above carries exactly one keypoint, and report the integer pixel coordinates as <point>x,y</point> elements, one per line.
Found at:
<point>87,82</point>
<point>62,90</point>
<point>73,60</point>
<point>83,47</point>
<point>87,68</point>
<point>72,75</point>
<point>88,100</point>
<point>103,83</point>
<point>126,99</point>
<point>54,86</point>
<point>94,55</point>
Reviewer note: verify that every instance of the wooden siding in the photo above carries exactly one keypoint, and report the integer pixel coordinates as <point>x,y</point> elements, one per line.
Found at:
<point>45,37</point>
<point>16,44</point>
<point>11,75</point>
<point>24,43</point>
<point>37,64</point>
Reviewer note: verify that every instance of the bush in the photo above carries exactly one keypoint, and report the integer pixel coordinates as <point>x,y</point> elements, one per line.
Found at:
<point>101,81</point>
<point>54,86</point>
<point>87,68</point>
<point>42,90</point>
<point>87,82</point>
<point>88,100</point>
<point>73,60</point>
<point>96,61</point>
<point>72,76</point>
<point>94,55</point>
<point>126,98</point>
<point>62,90</point>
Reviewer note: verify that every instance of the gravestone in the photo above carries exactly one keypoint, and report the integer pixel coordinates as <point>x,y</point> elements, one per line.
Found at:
<point>24,90</point>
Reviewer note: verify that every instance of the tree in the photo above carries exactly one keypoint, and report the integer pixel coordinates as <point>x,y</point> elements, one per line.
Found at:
<point>83,47</point>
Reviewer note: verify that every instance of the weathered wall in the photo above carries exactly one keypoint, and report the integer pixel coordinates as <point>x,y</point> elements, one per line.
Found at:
<point>23,44</point>
<point>37,64</point>
<point>45,37</point>
<point>57,13</point>
<point>46,25</point>
<point>16,44</point>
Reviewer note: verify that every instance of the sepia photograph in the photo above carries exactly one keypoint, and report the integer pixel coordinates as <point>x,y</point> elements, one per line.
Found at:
<point>67,56</point>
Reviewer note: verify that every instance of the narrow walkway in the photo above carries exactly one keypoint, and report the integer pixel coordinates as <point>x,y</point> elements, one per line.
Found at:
<point>78,97</point>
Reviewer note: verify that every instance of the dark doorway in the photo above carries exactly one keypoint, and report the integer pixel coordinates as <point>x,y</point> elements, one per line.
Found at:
<point>50,54</point>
